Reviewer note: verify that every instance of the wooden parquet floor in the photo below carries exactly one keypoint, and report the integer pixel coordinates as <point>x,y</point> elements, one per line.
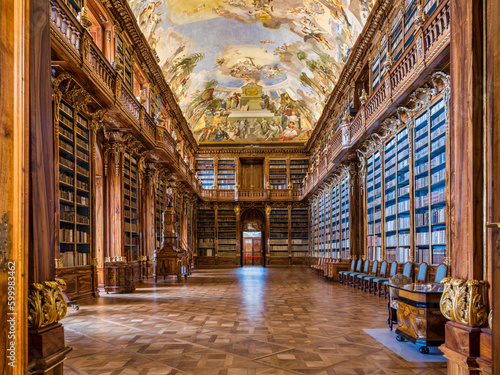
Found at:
<point>250,320</point>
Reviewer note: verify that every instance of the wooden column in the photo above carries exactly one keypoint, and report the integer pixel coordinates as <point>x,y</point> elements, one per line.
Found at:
<point>357,234</point>
<point>462,345</point>
<point>46,346</point>
<point>148,218</point>
<point>114,197</point>
<point>237,211</point>
<point>14,168</point>
<point>492,78</point>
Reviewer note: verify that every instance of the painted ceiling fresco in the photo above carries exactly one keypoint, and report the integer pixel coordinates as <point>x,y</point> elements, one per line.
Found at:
<point>251,70</point>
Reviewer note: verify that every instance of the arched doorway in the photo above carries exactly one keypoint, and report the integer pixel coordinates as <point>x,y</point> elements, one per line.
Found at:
<point>252,238</point>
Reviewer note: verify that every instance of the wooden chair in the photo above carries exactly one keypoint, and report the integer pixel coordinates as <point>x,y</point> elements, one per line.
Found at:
<point>383,281</point>
<point>369,284</point>
<point>354,277</point>
<point>441,272</point>
<point>363,277</point>
<point>343,273</point>
<point>422,273</point>
<point>347,276</point>
<point>392,304</point>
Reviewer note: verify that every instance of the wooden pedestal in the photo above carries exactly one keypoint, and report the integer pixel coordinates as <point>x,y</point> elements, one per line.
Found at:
<point>119,277</point>
<point>47,350</point>
<point>175,264</point>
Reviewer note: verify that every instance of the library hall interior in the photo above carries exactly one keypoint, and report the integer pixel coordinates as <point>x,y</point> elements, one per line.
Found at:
<point>249,187</point>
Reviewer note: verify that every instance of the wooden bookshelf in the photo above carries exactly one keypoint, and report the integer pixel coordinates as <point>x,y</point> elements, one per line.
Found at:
<point>321,226</point>
<point>278,174</point>
<point>160,204</point>
<point>226,232</point>
<point>226,173</point>
<point>205,232</point>
<point>335,212</point>
<point>430,184</point>
<point>344,217</point>
<point>328,224</point>
<point>278,232</point>
<point>300,231</point>
<point>124,57</point>
<point>374,206</point>
<point>75,235</point>
<point>130,205</point>
<point>298,170</point>
<point>205,168</point>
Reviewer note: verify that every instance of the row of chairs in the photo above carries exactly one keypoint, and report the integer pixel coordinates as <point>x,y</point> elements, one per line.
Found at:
<point>376,279</point>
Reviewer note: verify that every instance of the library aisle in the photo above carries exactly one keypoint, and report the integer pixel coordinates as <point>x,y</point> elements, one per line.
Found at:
<point>250,320</point>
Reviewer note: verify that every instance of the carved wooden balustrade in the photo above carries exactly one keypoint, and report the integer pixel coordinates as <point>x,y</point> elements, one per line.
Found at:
<point>428,42</point>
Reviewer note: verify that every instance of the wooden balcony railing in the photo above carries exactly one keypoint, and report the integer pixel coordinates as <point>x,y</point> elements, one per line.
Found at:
<point>427,43</point>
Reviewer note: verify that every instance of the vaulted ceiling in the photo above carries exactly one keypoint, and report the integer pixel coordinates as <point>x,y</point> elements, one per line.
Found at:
<point>251,71</point>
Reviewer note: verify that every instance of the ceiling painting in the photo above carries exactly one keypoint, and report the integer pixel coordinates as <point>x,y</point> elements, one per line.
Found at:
<point>251,70</point>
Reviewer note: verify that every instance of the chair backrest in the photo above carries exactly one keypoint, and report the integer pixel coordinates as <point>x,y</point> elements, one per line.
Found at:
<point>422,272</point>
<point>375,267</point>
<point>358,267</point>
<point>441,272</point>
<point>353,264</point>
<point>367,266</point>
<point>394,269</point>
<point>407,269</point>
<point>383,268</point>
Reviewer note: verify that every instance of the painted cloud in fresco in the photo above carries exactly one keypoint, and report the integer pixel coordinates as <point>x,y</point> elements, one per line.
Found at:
<point>251,70</point>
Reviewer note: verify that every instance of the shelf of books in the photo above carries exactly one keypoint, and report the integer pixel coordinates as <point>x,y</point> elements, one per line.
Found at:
<point>278,232</point>
<point>397,198</point>
<point>321,226</point>
<point>315,231</point>
<point>430,184</point>
<point>205,168</point>
<point>431,5</point>
<point>344,218</point>
<point>205,231</point>
<point>336,242</point>
<point>374,206</point>
<point>298,170</point>
<point>300,232</point>
<point>161,203</point>
<point>328,225</point>
<point>226,173</point>
<point>277,174</point>
<point>226,234</point>
<point>124,57</point>
<point>130,205</point>
<point>190,226</point>
<point>74,189</point>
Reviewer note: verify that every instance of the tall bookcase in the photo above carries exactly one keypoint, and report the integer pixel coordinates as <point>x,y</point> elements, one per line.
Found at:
<point>277,173</point>
<point>205,168</point>
<point>344,217</point>
<point>123,55</point>
<point>328,224</point>
<point>226,233</point>
<point>205,231</point>
<point>161,203</point>
<point>130,204</point>
<point>430,184</point>
<point>321,226</point>
<point>300,231</point>
<point>226,173</point>
<point>298,170</point>
<point>315,231</point>
<point>397,198</point>
<point>75,249</point>
<point>278,232</point>
<point>336,234</point>
<point>374,205</point>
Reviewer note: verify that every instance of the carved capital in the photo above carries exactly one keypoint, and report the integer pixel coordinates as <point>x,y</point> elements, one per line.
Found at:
<point>46,304</point>
<point>465,301</point>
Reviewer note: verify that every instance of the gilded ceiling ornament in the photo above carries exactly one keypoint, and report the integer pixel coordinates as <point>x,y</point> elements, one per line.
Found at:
<point>465,301</point>
<point>46,304</point>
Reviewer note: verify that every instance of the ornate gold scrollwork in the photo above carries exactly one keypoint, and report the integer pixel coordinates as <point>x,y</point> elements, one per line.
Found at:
<point>465,301</point>
<point>490,319</point>
<point>46,304</point>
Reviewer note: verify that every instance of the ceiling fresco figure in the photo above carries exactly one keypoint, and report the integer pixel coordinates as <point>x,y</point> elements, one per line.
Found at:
<point>252,70</point>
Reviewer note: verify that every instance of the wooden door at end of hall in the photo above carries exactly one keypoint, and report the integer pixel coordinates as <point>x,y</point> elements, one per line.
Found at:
<point>252,252</point>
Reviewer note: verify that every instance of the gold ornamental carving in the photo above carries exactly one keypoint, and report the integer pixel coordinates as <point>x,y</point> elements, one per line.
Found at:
<point>490,319</point>
<point>46,304</point>
<point>465,301</point>
<point>5,242</point>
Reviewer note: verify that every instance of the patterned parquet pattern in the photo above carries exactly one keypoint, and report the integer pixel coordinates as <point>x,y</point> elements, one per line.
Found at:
<point>240,321</point>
